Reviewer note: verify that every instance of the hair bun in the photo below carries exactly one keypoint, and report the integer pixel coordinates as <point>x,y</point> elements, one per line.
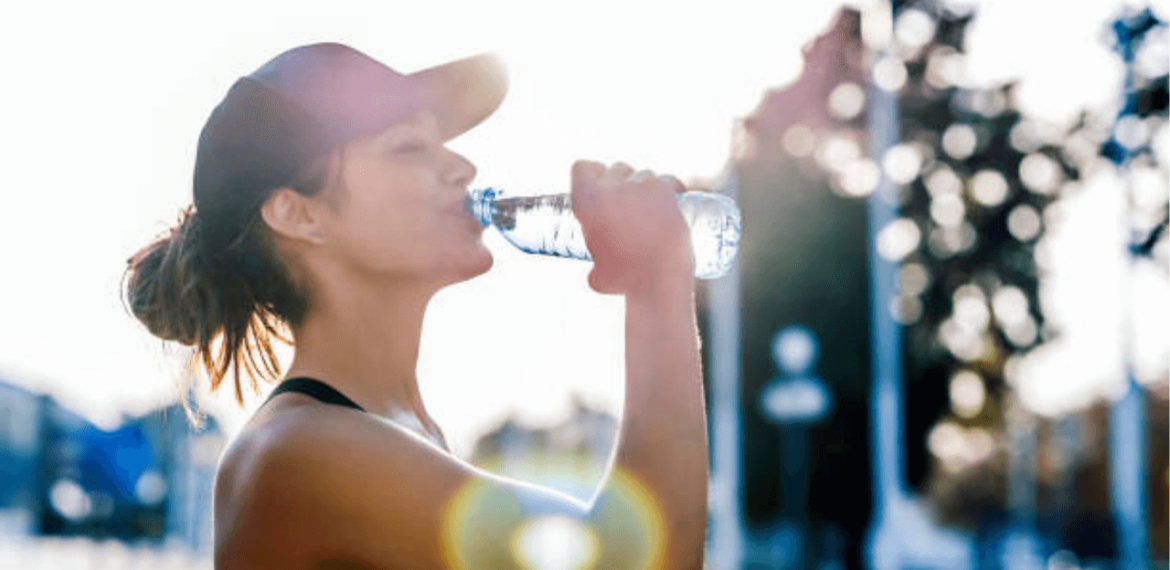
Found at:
<point>166,287</point>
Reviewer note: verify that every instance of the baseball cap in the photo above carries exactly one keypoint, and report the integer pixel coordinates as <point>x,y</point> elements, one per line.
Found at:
<point>309,100</point>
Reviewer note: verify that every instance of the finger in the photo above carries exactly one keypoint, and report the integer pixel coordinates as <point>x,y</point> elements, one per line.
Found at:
<point>674,183</point>
<point>586,172</point>
<point>619,172</point>
<point>641,175</point>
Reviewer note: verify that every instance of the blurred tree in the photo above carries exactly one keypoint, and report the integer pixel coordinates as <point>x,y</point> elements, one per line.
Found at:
<point>981,200</point>
<point>976,180</point>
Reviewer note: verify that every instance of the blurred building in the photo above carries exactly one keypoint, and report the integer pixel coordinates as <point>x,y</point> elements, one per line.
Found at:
<point>803,262</point>
<point>150,479</point>
<point>570,456</point>
<point>186,471</point>
<point>20,412</point>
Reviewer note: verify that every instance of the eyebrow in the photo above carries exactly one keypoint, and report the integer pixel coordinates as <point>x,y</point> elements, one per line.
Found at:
<point>412,127</point>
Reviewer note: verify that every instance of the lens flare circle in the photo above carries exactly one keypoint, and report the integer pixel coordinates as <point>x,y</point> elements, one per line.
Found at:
<point>488,524</point>
<point>555,543</point>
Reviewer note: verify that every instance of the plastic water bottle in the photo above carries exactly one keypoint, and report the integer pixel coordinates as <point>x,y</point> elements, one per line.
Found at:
<point>546,225</point>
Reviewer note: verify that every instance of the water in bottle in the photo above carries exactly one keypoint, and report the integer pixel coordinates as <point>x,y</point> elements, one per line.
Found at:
<point>546,225</point>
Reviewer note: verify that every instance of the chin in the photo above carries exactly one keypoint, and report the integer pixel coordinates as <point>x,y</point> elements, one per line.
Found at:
<point>473,265</point>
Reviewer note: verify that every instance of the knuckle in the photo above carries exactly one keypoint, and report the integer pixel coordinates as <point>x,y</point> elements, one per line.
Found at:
<point>642,175</point>
<point>584,170</point>
<point>673,182</point>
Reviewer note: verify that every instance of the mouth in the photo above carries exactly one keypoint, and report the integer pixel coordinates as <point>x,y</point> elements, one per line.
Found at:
<point>462,210</point>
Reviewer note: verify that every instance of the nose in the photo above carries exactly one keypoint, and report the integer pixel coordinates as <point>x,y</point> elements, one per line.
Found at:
<point>459,171</point>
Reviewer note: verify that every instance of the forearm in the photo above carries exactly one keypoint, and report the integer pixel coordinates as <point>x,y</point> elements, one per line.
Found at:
<point>663,438</point>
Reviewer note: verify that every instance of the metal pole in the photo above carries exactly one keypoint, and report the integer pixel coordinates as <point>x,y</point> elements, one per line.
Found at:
<point>1127,417</point>
<point>726,421</point>
<point>884,541</point>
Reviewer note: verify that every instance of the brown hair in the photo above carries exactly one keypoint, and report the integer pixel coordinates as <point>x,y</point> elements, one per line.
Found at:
<point>231,305</point>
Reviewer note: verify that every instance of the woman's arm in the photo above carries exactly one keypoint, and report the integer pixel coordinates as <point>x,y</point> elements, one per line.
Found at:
<point>641,249</point>
<point>331,486</point>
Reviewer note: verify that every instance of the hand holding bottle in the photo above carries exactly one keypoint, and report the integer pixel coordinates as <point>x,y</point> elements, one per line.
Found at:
<point>633,227</point>
<point>545,224</point>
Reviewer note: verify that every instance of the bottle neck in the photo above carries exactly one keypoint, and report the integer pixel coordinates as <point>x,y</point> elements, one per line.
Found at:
<point>479,203</point>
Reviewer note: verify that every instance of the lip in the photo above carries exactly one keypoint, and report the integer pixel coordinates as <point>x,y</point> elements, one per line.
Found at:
<point>460,209</point>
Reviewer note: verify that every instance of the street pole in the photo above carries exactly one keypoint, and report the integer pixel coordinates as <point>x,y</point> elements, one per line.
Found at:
<point>1127,417</point>
<point>726,421</point>
<point>884,543</point>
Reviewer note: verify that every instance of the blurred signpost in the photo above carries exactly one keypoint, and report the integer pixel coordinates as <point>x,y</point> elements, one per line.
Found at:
<point>796,400</point>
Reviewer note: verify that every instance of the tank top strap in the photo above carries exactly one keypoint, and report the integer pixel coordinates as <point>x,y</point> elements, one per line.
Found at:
<point>315,389</point>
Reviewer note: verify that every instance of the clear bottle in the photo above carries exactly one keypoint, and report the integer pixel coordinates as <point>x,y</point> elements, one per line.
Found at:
<point>546,225</point>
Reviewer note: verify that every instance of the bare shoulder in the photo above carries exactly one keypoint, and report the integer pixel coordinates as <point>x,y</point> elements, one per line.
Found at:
<point>314,486</point>
<point>305,484</point>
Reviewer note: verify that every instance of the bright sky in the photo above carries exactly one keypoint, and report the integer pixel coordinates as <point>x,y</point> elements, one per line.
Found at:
<point>104,102</point>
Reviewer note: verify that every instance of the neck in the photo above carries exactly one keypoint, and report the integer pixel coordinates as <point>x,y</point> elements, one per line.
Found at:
<point>364,341</point>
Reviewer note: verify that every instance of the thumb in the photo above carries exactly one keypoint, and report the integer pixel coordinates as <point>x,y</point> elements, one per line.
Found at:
<point>585,173</point>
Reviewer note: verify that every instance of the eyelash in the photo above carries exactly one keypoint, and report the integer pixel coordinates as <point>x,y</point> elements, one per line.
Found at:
<point>410,148</point>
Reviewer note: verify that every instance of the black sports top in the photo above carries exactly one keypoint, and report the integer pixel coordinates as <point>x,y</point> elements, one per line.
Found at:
<point>315,389</point>
<point>325,393</point>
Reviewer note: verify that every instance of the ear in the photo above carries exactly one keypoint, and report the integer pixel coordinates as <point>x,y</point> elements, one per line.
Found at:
<point>293,215</point>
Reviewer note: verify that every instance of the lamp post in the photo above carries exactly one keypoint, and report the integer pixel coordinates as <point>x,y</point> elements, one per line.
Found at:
<point>795,400</point>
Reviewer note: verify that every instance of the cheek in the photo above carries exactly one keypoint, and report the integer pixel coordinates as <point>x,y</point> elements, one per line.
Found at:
<point>404,235</point>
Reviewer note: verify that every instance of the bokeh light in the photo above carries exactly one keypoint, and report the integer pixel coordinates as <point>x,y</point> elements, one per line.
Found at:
<point>986,102</point>
<point>837,152</point>
<point>989,187</point>
<point>1026,136</point>
<point>902,163</point>
<point>959,141</point>
<point>898,239</point>
<point>846,101</point>
<point>906,309</point>
<point>151,488</point>
<point>964,332</point>
<point>913,278</point>
<point>70,500</point>
<point>794,350</point>
<point>944,67</point>
<point>1022,333</point>
<point>942,181</point>
<point>957,448</point>
<point>945,241</point>
<point>914,28</point>
<point>889,74</point>
<point>970,307</point>
<point>799,141</point>
<point>967,394</point>
<point>1131,132</point>
<point>947,210</point>
<point>1024,222</point>
<point>1039,173</point>
<point>1063,560</point>
<point>860,178</point>
<point>1154,57</point>
<point>1010,305</point>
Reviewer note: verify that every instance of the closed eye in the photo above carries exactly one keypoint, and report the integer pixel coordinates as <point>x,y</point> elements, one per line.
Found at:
<point>410,147</point>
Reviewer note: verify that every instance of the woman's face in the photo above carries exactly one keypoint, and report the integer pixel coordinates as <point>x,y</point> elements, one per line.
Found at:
<point>399,211</point>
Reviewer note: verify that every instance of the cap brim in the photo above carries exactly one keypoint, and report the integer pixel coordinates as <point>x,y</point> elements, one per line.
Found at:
<point>464,92</point>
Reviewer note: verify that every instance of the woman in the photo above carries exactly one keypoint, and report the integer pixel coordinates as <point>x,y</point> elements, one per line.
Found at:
<point>327,205</point>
